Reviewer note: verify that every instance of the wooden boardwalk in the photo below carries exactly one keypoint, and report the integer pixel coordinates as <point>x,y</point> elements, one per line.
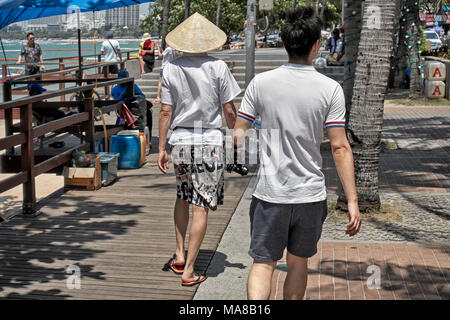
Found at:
<point>120,237</point>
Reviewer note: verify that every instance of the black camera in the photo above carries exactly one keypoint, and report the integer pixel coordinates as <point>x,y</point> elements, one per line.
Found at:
<point>238,168</point>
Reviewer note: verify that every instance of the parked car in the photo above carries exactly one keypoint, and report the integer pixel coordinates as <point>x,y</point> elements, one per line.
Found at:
<point>274,41</point>
<point>433,37</point>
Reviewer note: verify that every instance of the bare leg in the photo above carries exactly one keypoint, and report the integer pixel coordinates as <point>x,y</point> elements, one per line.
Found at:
<point>158,93</point>
<point>297,277</point>
<point>181,218</point>
<point>260,280</point>
<point>196,235</point>
<point>142,64</point>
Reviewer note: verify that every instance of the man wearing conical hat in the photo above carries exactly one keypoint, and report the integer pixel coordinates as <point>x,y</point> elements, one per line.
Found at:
<point>196,88</point>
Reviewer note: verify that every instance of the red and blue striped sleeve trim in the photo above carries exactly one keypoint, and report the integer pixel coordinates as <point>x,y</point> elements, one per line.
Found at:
<point>335,124</point>
<point>245,116</point>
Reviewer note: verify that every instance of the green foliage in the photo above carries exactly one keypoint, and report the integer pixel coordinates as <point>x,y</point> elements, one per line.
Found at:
<point>233,14</point>
<point>423,45</point>
<point>331,13</point>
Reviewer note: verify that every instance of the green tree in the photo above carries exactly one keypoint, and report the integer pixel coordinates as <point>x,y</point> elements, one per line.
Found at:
<point>232,14</point>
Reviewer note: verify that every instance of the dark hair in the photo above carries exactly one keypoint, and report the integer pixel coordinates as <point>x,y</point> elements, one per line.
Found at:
<point>300,31</point>
<point>30,34</point>
<point>336,31</point>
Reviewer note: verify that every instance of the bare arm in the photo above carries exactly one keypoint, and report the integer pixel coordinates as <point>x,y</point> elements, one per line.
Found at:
<point>119,54</point>
<point>164,122</point>
<point>343,158</point>
<point>160,52</point>
<point>240,128</point>
<point>41,58</point>
<point>230,114</point>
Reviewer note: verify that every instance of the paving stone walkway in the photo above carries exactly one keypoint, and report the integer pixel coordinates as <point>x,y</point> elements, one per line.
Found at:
<point>396,260</point>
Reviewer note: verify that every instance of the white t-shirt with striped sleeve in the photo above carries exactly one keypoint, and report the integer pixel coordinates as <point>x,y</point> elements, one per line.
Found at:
<point>294,103</point>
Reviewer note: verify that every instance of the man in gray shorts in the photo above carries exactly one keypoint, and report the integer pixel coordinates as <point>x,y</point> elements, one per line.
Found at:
<point>289,205</point>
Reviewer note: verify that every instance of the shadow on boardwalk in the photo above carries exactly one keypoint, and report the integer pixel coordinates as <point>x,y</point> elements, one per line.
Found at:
<point>30,248</point>
<point>119,236</point>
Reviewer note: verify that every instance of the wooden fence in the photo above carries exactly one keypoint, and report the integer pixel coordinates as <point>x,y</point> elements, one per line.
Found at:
<point>29,169</point>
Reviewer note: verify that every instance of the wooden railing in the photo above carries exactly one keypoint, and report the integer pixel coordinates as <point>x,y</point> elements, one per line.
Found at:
<point>29,169</point>
<point>66,69</point>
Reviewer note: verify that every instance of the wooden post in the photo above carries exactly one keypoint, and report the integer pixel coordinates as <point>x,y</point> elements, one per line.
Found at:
<point>106,74</point>
<point>27,153</point>
<point>4,71</point>
<point>99,59</point>
<point>89,126</point>
<point>7,96</point>
<point>62,85</point>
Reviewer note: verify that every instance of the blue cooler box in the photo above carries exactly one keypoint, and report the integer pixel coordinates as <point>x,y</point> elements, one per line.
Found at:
<point>109,162</point>
<point>129,148</point>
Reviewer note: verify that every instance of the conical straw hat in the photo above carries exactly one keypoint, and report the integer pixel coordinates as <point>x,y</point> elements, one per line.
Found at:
<point>196,34</point>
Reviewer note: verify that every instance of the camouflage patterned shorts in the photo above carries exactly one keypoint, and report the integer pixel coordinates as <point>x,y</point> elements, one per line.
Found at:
<point>199,173</point>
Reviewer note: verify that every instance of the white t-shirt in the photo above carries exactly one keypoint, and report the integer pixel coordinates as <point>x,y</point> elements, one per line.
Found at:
<point>110,54</point>
<point>196,86</point>
<point>294,102</point>
<point>169,55</point>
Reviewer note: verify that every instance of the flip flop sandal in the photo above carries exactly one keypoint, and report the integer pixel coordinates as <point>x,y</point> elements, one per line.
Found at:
<point>175,267</point>
<point>191,283</point>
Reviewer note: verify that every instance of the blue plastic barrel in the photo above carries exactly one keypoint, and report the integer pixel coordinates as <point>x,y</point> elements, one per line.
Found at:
<point>129,147</point>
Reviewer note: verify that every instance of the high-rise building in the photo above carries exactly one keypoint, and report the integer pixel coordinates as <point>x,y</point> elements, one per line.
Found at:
<point>120,17</point>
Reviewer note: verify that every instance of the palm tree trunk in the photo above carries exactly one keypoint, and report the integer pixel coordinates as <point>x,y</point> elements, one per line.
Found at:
<point>165,21</point>
<point>366,113</point>
<point>414,59</point>
<point>187,9</point>
<point>219,9</point>
<point>398,64</point>
<point>352,35</point>
<point>322,10</point>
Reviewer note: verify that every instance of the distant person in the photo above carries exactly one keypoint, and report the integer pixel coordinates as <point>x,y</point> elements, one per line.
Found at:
<point>336,47</point>
<point>147,53</point>
<point>31,54</point>
<point>332,42</point>
<point>111,50</point>
<point>167,54</point>
<point>119,92</point>
<point>289,205</point>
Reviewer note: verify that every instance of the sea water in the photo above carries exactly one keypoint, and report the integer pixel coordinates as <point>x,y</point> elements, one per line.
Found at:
<point>59,48</point>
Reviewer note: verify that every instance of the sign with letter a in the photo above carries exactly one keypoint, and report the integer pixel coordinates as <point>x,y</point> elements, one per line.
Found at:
<point>435,71</point>
<point>434,89</point>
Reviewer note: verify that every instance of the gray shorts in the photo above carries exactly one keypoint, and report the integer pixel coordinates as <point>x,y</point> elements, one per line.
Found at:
<point>274,226</point>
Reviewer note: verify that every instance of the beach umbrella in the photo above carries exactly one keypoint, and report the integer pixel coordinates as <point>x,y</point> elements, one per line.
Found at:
<point>12,11</point>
